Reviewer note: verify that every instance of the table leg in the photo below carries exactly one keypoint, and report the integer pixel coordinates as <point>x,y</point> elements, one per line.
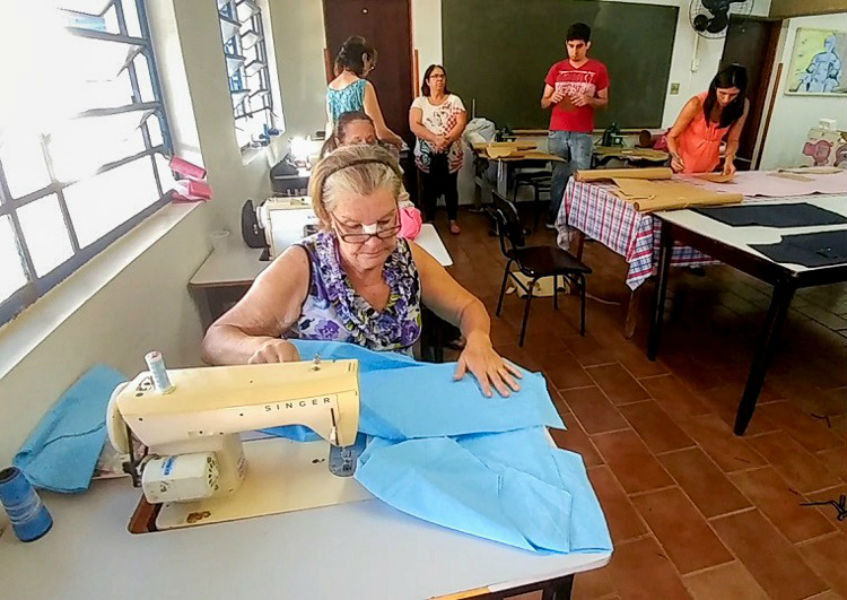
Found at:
<point>781,299</point>
<point>632,308</point>
<point>502,178</point>
<point>665,252</point>
<point>561,591</point>
<point>580,244</point>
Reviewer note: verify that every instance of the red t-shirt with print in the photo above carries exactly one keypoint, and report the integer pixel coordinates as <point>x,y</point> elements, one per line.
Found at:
<point>588,79</point>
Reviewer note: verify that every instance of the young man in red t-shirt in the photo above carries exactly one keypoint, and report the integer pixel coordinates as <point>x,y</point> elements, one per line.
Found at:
<point>574,88</point>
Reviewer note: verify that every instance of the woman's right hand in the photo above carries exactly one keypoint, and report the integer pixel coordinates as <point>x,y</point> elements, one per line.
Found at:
<point>274,350</point>
<point>676,163</point>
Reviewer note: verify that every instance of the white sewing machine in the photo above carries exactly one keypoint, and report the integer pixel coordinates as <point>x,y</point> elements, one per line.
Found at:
<point>284,221</point>
<point>195,466</point>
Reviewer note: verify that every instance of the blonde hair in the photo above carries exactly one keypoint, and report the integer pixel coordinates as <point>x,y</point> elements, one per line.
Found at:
<point>352,170</point>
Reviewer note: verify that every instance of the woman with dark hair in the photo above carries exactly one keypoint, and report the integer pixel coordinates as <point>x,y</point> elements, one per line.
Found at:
<point>350,91</point>
<point>695,139</point>
<point>438,118</point>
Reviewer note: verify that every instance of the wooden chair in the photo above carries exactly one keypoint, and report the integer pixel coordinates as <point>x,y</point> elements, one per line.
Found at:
<point>534,262</point>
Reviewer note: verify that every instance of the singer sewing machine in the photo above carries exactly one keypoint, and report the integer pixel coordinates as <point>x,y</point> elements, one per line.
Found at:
<point>194,463</point>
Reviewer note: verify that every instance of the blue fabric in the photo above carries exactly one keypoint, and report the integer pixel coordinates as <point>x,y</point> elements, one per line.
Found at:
<point>443,452</point>
<point>427,402</point>
<point>510,487</point>
<point>62,451</point>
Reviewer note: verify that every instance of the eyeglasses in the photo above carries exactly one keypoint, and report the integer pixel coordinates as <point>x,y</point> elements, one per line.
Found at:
<point>437,77</point>
<point>361,238</point>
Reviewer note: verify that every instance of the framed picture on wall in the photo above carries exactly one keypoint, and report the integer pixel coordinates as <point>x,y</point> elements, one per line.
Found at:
<point>817,63</point>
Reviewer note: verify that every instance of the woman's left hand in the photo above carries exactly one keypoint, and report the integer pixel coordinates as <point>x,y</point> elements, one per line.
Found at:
<point>489,368</point>
<point>728,167</point>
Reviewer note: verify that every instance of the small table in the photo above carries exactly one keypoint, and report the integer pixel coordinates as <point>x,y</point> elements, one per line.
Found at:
<point>357,550</point>
<point>591,209</point>
<point>731,245</point>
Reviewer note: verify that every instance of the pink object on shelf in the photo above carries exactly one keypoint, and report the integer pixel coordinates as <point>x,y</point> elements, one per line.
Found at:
<point>183,167</point>
<point>410,222</point>
<point>196,190</point>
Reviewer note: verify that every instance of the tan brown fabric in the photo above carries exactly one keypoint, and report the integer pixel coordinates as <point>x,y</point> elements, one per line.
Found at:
<point>609,174</point>
<point>649,196</point>
<point>716,177</point>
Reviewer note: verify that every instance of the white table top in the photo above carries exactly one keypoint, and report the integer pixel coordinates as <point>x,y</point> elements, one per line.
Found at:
<point>240,265</point>
<point>742,237</point>
<point>362,550</point>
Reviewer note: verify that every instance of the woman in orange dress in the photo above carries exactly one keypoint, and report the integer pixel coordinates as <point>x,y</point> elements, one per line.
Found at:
<point>695,139</point>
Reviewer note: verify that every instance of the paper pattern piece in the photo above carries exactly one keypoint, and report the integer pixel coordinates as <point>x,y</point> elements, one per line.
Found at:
<point>716,177</point>
<point>653,173</point>
<point>650,196</point>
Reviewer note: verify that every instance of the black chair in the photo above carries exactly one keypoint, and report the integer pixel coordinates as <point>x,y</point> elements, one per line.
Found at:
<point>540,182</point>
<point>534,262</point>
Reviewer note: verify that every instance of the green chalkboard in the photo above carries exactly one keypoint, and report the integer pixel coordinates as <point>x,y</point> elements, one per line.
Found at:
<point>497,52</point>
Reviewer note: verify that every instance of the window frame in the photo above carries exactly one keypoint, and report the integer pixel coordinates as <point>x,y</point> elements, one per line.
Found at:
<point>233,49</point>
<point>37,286</point>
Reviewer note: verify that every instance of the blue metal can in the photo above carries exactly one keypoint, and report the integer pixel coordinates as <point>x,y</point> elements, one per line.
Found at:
<point>28,515</point>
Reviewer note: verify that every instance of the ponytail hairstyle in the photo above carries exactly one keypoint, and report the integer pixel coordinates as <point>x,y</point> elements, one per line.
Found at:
<point>352,55</point>
<point>733,76</point>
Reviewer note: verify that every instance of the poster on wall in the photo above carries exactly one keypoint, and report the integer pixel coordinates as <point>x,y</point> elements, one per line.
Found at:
<point>817,63</point>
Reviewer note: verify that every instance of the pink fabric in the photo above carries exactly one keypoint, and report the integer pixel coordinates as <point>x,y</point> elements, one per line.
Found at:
<point>770,184</point>
<point>410,222</point>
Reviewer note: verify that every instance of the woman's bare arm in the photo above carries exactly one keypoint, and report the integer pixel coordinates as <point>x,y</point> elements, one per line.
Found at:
<point>371,106</point>
<point>250,331</point>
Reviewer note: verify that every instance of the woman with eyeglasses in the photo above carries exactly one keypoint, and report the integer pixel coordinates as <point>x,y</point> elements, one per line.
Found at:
<point>351,91</point>
<point>355,281</point>
<point>438,118</point>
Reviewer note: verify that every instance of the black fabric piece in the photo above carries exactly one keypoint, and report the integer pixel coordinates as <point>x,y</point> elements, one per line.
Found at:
<point>808,249</point>
<point>801,214</point>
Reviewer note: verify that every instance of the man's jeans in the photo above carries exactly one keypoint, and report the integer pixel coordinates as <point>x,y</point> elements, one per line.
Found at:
<point>576,149</point>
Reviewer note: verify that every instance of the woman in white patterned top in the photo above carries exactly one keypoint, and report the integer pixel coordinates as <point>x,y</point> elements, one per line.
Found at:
<point>438,118</point>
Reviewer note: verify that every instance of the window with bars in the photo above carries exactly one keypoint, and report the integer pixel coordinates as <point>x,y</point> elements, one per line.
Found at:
<point>246,57</point>
<point>83,145</point>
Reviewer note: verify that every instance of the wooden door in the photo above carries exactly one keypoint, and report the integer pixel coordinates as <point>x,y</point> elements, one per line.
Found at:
<point>386,24</point>
<point>752,42</point>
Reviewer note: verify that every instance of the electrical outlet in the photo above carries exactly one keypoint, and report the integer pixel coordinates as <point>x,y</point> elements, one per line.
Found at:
<point>674,89</point>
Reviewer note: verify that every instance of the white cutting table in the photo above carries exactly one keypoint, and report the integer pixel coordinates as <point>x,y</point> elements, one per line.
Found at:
<point>361,550</point>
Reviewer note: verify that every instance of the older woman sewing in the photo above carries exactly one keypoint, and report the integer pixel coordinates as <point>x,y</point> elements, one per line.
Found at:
<point>355,281</point>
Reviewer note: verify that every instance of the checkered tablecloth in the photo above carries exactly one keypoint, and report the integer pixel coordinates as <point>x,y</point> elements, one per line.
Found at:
<point>594,210</point>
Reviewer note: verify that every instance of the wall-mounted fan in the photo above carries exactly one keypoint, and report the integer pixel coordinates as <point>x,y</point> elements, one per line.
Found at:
<point>710,18</point>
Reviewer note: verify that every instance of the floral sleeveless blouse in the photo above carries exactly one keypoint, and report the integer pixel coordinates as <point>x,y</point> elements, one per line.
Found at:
<point>333,311</point>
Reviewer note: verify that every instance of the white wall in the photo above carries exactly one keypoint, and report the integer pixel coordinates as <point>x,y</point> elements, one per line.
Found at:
<point>133,296</point>
<point>299,42</point>
<point>793,116</point>
<point>145,306</point>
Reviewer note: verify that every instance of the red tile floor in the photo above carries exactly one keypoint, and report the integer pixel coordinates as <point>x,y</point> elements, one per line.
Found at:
<point>694,511</point>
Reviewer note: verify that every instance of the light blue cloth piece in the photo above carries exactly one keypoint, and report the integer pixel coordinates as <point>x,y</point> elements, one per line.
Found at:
<point>426,401</point>
<point>62,451</point>
<point>510,487</point>
<point>402,398</point>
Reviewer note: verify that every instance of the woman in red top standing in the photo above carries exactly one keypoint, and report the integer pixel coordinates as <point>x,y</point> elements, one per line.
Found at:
<point>695,139</point>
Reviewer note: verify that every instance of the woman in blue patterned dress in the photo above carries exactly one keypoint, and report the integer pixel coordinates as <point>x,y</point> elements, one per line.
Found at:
<point>351,92</point>
<point>355,281</point>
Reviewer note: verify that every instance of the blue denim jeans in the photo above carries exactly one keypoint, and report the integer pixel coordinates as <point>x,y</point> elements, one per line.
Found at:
<point>576,149</point>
